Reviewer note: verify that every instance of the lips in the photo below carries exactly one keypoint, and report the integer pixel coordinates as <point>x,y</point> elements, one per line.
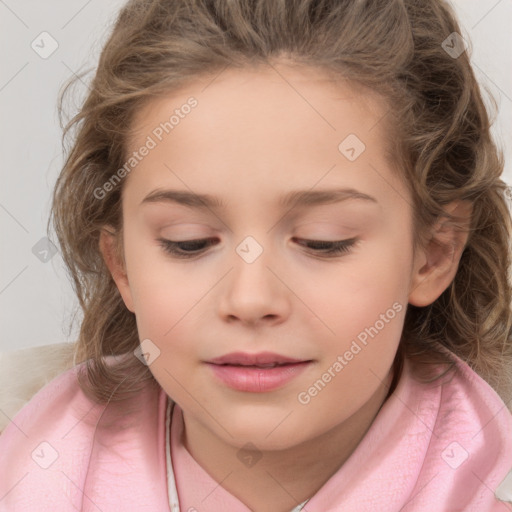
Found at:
<point>256,373</point>
<point>260,360</point>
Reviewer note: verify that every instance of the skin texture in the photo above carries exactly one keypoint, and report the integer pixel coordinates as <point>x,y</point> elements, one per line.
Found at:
<point>252,138</point>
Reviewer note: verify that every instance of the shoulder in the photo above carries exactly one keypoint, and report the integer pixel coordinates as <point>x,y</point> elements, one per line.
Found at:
<point>57,421</point>
<point>471,442</point>
<point>468,398</point>
<point>56,404</point>
<point>458,394</point>
<point>58,441</point>
<point>25,371</point>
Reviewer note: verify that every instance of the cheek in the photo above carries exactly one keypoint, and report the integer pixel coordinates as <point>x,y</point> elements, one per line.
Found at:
<point>166,311</point>
<point>166,306</point>
<point>163,294</point>
<point>352,295</point>
<point>365,316</point>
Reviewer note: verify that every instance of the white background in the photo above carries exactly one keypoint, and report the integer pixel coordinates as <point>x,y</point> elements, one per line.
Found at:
<point>36,299</point>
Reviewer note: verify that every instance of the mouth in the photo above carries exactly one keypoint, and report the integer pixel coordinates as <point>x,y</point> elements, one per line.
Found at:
<point>256,373</point>
<point>259,360</point>
<point>261,366</point>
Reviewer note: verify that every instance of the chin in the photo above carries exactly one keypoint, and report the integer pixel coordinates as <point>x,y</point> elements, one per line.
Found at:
<point>267,433</point>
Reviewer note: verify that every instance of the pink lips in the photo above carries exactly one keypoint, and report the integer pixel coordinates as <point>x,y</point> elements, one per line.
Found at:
<point>256,373</point>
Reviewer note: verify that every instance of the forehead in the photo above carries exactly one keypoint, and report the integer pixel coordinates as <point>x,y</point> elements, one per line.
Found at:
<point>269,129</point>
<point>290,87</point>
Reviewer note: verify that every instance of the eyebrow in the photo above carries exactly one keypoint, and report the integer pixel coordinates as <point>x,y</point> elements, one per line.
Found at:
<point>303,198</point>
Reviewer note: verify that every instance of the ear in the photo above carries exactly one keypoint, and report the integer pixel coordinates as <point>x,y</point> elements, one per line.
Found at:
<point>113,260</point>
<point>436,264</point>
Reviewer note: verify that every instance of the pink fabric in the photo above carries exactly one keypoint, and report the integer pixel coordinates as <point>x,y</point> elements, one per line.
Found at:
<point>413,458</point>
<point>197,490</point>
<point>110,458</point>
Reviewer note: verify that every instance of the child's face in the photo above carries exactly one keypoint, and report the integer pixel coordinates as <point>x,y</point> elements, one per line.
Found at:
<point>252,139</point>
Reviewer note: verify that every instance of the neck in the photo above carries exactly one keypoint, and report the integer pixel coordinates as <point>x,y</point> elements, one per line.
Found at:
<point>281,479</point>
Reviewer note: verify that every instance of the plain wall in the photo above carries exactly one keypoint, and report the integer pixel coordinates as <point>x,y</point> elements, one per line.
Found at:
<point>36,299</point>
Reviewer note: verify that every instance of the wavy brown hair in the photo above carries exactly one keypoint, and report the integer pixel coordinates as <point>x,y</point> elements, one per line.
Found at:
<point>438,136</point>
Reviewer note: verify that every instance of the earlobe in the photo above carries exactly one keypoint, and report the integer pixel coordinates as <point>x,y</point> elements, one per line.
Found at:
<point>436,265</point>
<point>109,251</point>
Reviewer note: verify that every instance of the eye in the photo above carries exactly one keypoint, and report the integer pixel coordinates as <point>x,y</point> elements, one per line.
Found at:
<point>187,248</point>
<point>334,248</point>
<point>190,248</point>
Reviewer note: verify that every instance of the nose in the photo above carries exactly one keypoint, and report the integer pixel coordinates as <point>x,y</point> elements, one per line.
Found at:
<point>254,293</point>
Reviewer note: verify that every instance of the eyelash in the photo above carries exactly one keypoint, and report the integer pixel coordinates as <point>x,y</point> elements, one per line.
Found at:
<point>323,248</point>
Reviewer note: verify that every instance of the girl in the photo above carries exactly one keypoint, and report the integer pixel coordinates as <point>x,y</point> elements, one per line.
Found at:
<point>286,227</point>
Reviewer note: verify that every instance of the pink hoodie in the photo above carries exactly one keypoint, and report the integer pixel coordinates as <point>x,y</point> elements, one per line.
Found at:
<point>440,447</point>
